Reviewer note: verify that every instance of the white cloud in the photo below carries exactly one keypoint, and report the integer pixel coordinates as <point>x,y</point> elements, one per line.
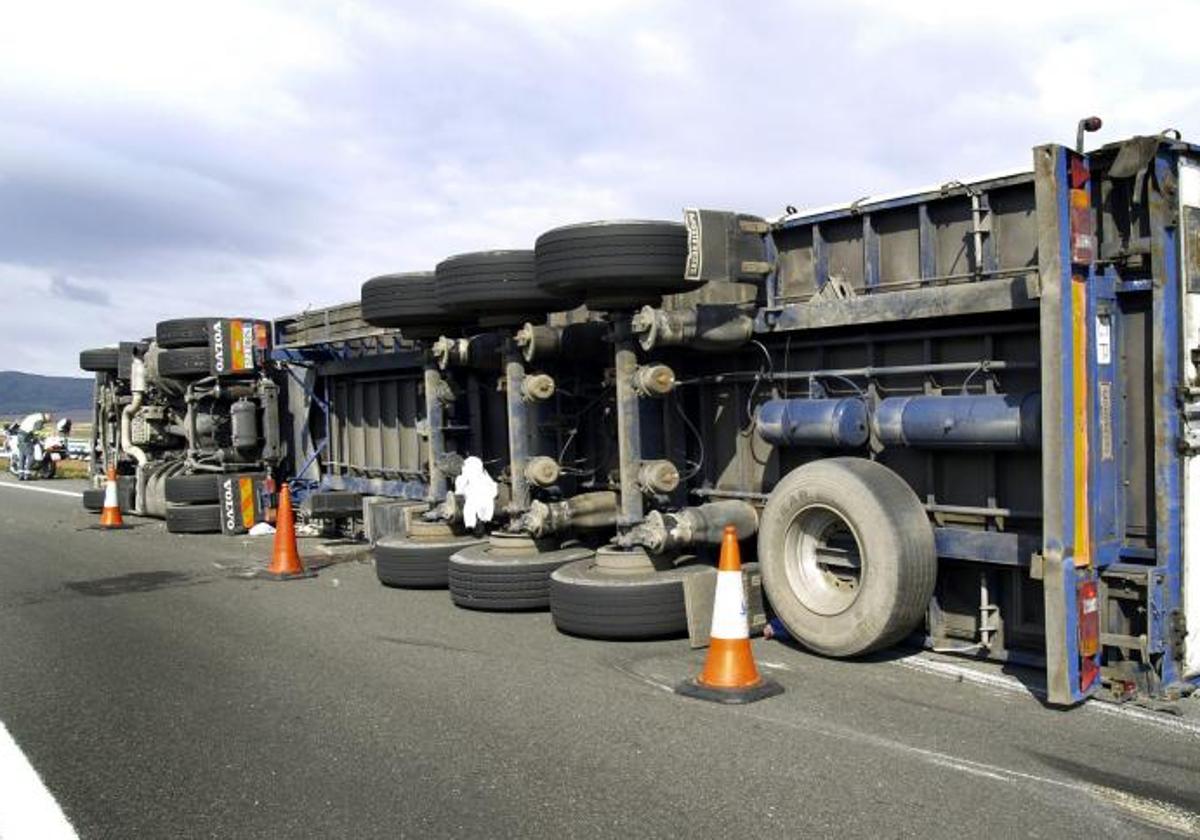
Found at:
<point>217,60</point>
<point>261,157</point>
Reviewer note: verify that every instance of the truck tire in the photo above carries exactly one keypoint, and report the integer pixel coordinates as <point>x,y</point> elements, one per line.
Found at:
<point>126,493</point>
<point>183,332</point>
<point>192,489</point>
<point>93,500</point>
<point>495,282</point>
<point>613,264</point>
<point>194,519</point>
<point>100,360</point>
<point>416,564</point>
<point>483,579</point>
<point>333,504</point>
<point>847,556</point>
<point>598,604</point>
<point>184,363</point>
<point>406,301</point>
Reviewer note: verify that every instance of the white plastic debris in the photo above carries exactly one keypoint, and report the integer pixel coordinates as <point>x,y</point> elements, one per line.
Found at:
<point>478,490</point>
<point>262,529</point>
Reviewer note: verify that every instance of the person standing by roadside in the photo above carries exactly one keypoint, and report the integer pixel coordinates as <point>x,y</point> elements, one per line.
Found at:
<point>27,432</point>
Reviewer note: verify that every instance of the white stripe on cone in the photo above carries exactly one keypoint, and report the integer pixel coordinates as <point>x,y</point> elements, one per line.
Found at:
<point>110,494</point>
<point>729,608</point>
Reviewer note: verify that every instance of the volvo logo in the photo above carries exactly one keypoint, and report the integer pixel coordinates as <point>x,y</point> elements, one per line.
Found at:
<point>227,499</point>
<point>218,339</point>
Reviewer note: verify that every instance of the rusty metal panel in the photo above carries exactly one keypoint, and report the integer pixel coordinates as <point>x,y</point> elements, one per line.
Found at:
<point>1014,227</point>
<point>844,240</point>
<point>899,244</point>
<point>952,236</point>
<point>373,426</point>
<point>795,266</point>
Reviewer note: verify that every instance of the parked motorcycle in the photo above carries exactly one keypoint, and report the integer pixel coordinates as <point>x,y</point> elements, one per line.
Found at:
<point>46,453</point>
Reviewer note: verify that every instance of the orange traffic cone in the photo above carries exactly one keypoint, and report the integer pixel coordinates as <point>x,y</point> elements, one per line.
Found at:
<point>110,515</point>
<point>730,675</point>
<point>285,557</point>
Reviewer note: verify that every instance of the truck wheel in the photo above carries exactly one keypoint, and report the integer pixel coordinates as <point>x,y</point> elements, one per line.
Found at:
<point>613,264</point>
<point>847,556</point>
<point>126,493</point>
<point>416,564</point>
<point>194,519</point>
<point>184,363</point>
<point>93,500</point>
<point>100,360</point>
<point>495,282</point>
<point>184,332</point>
<point>407,301</point>
<point>599,604</point>
<point>484,578</point>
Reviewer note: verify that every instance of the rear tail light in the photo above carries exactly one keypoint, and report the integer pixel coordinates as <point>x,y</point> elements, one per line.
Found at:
<point>1083,231</point>
<point>1088,600</point>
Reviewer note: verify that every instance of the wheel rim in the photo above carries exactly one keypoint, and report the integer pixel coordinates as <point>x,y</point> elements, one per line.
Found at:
<point>823,557</point>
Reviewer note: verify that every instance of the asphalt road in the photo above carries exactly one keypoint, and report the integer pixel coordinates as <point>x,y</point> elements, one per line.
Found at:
<point>159,693</point>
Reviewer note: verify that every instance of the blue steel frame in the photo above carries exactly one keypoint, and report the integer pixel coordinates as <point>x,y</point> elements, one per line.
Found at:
<point>1168,465</point>
<point>1085,507</point>
<point>1060,575</point>
<point>320,356</point>
<point>1103,504</point>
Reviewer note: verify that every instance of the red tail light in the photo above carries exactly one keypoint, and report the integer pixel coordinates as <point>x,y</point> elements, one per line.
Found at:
<point>1083,231</point>
<point>1088,601</point>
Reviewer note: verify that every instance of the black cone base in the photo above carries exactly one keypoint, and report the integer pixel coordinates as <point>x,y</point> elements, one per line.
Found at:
<point>731,696</point>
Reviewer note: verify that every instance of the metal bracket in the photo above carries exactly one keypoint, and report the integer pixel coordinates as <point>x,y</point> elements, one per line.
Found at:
<point>1189,409</point>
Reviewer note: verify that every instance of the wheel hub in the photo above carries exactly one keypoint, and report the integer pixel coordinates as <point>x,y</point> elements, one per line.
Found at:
<point>824,560</point>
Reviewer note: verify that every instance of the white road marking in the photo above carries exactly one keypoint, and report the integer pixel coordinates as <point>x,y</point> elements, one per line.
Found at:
<point>629,672</point>
<point>27,810</point>
<point>35,489</point>
<point>1164,815</point>
<point>963,673</point>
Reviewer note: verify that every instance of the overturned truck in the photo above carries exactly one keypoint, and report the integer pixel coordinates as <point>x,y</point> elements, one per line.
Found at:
<point>962,415</point>
<point>189,420</point>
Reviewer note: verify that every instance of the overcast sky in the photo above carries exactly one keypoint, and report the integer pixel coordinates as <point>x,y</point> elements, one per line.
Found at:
<point>161,159</point>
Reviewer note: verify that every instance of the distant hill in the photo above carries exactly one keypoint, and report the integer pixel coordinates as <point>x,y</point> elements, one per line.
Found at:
<point>62,396</point>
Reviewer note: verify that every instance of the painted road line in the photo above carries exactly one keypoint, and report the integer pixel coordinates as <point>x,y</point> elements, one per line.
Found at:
<point>1003,682</point>
<point>1166,816</point>
<point>28,811</point>
<point>962,673</point>
<point>12,484</point>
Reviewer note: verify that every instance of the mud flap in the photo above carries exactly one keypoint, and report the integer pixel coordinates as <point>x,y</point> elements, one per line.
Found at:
<point>237,347</point>
<point>241,498</point>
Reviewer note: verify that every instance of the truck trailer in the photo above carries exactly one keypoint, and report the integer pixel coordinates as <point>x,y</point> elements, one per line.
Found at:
<point>964,415</point>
